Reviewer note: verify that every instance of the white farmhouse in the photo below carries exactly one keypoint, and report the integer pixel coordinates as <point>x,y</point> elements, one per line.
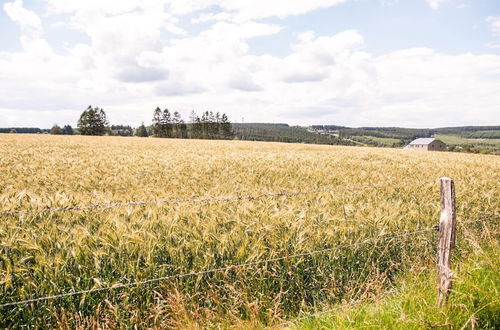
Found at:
<point>427,144</point>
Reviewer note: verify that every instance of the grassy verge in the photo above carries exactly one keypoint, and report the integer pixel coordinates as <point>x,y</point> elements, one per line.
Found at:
<point>474,302</point>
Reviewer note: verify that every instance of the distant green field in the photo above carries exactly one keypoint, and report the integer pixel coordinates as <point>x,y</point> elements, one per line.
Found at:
<point>385,141</point>
<point>474,139</point>
<point>458,140</point>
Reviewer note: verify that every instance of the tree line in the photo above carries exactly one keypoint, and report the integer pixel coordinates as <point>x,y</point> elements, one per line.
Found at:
<point>209,125</point>
<point>165,124</point>
<point>168,125</point>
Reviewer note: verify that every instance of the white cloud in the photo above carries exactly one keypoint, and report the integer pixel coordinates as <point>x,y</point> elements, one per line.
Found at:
<point>389,3</point>
<point>324,49</point>
<point>29,22</point>
<point>177,87</point>
<point>436,3</point>
<point>139,57</point>
<point>236,10</point>
<point>245,10</point>
<point>31,28</point>
<point>244,82</point>
<point>494,23</point>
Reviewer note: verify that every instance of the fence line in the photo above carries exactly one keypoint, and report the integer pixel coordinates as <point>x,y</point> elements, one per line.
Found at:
<point>359,301</point>
<point>229,267</point>
<point>222,269</point>
<point>208,199</point>
<point>214,270</point>
<point>221,198</point>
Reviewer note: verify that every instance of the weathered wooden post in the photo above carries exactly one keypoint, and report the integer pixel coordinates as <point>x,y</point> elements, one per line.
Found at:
<point>447,227</point>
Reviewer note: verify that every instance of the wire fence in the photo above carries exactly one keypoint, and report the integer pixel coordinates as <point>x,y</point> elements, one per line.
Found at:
<point>118,286</point>
<point>106,206</point>
<point>236,266</point>
<point>360,301</point>
<point>221,269</point>
<point>209,199</point>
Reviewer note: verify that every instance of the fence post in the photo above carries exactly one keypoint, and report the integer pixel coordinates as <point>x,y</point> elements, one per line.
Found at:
<point>447,227</point>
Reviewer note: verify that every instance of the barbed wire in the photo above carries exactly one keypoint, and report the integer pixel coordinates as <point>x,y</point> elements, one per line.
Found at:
<point>226,268</point>
<point>214,270</point>
<point>359,301</point>
<point>208,199</point>
<point>356,302</point>
<point>223,198</point>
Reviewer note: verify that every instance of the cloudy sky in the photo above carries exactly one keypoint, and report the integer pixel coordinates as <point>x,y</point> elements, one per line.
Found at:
<point>413,63</point>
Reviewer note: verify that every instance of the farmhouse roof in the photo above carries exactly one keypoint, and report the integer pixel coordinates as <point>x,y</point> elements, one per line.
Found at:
<point>424,141</point>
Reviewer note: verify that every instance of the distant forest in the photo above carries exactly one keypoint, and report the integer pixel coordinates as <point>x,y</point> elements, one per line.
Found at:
<point>210,125</point>
<point>216,125</point>
<point>486,132</point>
<point>284,133</point>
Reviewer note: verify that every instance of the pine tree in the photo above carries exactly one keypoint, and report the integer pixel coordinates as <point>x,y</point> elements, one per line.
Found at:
<point>67,130</point>
<point>102,120</point>
<point>226,128</point>
<point>157,122</point>
<point>196,126</point>
<point>142,131</point>
<point>93,121</point>
<point>218,126</point>
<point>184,130</point>
<point>166,124</point>
<point>205,125</point>
<point>177,122</point>
<point>213,128</point>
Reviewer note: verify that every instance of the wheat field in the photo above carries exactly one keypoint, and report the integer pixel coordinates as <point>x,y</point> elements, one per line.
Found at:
<point>360,193</point>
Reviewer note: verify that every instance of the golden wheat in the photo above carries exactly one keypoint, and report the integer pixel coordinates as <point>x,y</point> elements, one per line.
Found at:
<point>56,252</point>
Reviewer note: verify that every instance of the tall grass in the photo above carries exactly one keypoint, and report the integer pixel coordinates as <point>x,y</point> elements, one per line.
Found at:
<point>473,303</point>
<point>51,253</point>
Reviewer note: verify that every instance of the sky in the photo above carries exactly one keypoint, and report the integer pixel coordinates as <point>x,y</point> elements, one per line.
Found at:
<point>410,63</point>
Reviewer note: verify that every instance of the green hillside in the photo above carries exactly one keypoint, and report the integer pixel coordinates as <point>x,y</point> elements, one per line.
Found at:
<point>476,139</point>
<point>284,133</point>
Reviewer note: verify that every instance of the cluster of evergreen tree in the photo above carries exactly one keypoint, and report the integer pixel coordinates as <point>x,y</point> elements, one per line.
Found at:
<point>210,126</point>
<point>167,125</point>
<point>142,131</point>
<point>93,121</point>
<point>65,130</point>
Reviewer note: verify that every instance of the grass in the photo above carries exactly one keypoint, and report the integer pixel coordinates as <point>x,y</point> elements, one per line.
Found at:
<point>473,304</point>
<point>458,140</point>
<point>51,253</point>
<point>384,141</point>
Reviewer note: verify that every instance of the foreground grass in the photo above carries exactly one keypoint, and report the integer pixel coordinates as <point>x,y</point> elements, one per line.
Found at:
<point>473,303</point>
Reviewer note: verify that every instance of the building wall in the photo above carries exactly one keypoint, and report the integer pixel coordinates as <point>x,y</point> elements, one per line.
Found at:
<point>417,147</point>
<point>434,146</point>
